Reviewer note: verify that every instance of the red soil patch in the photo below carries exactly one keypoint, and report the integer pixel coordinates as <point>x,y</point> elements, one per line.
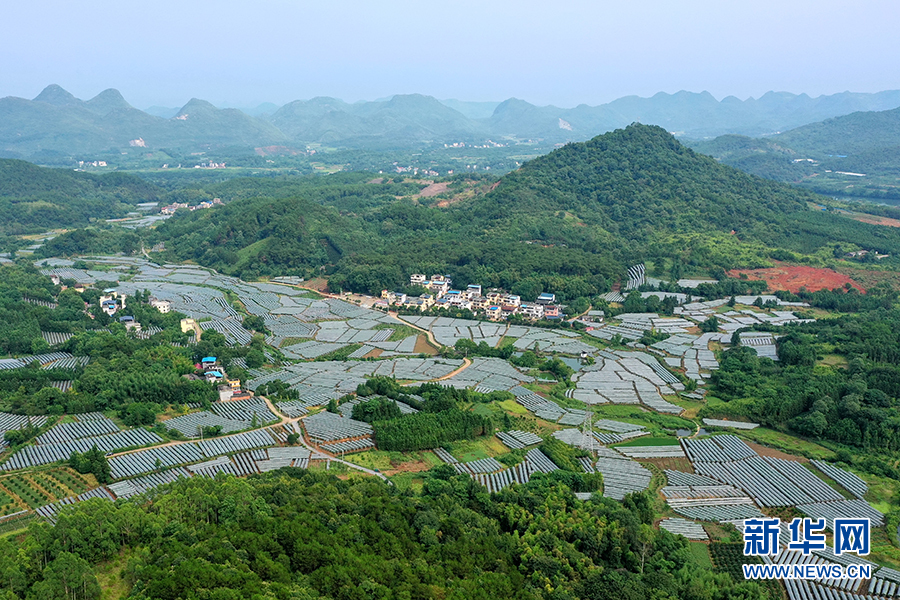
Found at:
<point>794,278</point>
<point>318,284</point>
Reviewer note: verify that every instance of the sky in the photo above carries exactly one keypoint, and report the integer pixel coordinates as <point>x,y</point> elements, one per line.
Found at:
<point>565,52</point>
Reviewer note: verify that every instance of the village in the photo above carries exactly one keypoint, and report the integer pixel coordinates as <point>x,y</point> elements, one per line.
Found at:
<point>495,305</point>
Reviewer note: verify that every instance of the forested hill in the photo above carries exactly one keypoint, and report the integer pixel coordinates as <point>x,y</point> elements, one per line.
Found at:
<point>634,188</point>
<point>33,199</point>
<point>639,181</point>
<point>846,135</point>
<point>576,217</point>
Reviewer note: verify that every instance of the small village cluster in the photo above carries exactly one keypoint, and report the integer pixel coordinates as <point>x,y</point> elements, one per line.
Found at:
<point>496,305</point>
<point>171,208</point>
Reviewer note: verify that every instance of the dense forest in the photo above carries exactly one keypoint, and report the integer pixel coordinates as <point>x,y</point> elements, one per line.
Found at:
<point>295,534</point>
<point>855,405</point>
<point>34,199</point>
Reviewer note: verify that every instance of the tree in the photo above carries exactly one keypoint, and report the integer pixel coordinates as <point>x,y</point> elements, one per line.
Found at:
<point>93,461</point>
<point>711,325</point>
<point>254,323</point>
<point>69,577</point>
<point>255,358</point>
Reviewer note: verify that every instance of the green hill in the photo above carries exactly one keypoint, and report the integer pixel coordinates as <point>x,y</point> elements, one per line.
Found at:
<point>846,135</point>
<point>34,199</point>
<point>851,156</point>
<point>571,220</point>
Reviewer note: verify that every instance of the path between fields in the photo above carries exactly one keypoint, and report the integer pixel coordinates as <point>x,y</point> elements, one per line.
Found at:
<point>427,332</point>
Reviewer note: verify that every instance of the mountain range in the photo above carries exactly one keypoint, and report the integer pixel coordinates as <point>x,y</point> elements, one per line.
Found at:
<point>855,155</point>
<point>56,123</point>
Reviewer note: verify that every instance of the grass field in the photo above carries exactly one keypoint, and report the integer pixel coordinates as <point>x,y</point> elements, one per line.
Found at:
<point>787,443</point>
<point>700,552</point>
<point>513,407</point>
<point>385,461</point>
<point>408,481</point>
<point>111,576</point>
<point>483,447</point>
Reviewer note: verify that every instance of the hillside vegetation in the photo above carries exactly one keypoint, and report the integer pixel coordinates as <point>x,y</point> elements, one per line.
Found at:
<point>572,219</point>
<point>34,199</point>
<point>853,155</point>
<point>298,534</point>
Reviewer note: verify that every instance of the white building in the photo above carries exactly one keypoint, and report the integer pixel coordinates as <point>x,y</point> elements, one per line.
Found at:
<point>532,311</point>
<point>162,306</point>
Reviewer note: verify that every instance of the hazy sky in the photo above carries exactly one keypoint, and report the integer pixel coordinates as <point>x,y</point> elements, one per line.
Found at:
<point>561,52</point>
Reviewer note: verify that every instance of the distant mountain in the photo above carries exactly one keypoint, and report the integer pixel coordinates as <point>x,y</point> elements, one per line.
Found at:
<point>162,111</point>
<point>849,134</point>
<point>202,124</point>
<point>404,119</point>
<point>56,123</point>
<point>57,96</point>
<point>106,102</point>
<point>693,115</point>
<point>861,142</point>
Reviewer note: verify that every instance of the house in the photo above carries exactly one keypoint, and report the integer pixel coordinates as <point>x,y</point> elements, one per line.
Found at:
<point>417,303</point>
<point>473,290</point>
<point>494,312</point>
<point>454,297</point>
<point>593,316</point>
<point>512,300</point>
<point>162,306</point>
<point>398,298</point>
<point>208,363</point>
<point>417,279</point>
<point>108,306</point>
<point>188,325</point>
<point>54,279</point>
<point>552,312</point>
<point>480,303</point>
<point>112,301</point>
<point>427,300</point>
<point>546,299</point>
<point>531,311</point>
<point>381,305</point>
<point>438,287</point>
<point>130,323</point>
<point>214,376</point>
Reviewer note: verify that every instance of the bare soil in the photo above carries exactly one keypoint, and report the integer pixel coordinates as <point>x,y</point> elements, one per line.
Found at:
<point>794,278</point>
<point>434,189</point>
<point>766,451</point>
